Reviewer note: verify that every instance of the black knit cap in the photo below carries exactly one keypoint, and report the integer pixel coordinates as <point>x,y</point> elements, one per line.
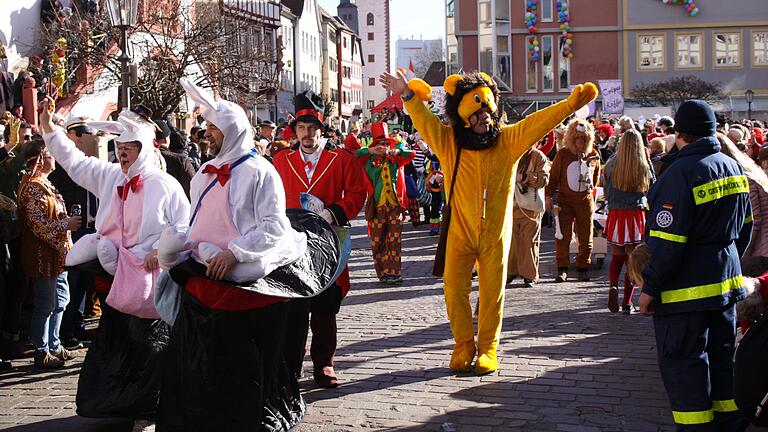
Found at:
<point>309,108</point>
<point>695,117</point>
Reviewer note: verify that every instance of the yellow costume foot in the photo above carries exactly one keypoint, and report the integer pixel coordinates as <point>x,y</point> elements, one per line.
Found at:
<point>486,363</point>
<point>463,354</point>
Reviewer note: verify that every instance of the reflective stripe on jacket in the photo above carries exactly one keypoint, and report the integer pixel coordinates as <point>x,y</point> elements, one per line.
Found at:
<point>698,226</point>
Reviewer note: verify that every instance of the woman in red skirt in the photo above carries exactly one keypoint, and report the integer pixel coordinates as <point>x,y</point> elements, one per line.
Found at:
<point>628,176</point>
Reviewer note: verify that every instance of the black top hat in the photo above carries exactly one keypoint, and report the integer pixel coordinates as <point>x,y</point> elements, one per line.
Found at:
<point>309,107</point>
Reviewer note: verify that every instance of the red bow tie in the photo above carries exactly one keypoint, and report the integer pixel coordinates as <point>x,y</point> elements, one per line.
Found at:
<point>133,185</point>
<point>222,173</point>
<point>308,165</point>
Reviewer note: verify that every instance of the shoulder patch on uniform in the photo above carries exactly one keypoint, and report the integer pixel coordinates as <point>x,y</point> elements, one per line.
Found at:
<point>668,206</point>
<point>664,219</point>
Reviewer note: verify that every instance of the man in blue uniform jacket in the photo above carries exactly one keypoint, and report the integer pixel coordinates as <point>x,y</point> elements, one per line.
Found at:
<point>699,224</point>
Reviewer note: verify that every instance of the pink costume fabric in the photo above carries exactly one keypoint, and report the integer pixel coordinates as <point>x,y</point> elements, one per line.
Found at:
<point>132,289</point>
<point>213,223</point>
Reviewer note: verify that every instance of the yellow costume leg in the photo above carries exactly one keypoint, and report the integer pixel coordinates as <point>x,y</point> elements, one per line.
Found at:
<point>491,273</point>
<point>458,283</point>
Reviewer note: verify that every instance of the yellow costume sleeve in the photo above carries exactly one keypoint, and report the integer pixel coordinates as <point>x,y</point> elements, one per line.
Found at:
<point>438,136</point>
<point>528,131</point>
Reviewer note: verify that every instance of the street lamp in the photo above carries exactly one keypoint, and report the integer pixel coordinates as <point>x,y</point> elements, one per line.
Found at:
<point>750,96</point>
<point>122,14</point>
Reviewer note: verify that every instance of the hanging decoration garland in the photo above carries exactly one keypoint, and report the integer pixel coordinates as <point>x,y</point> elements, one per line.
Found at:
<point>690,5</point>
<point>566,38</point>
<point>531,20</point>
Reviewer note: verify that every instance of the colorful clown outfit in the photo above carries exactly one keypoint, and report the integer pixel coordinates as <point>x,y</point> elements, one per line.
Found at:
<point>385,179</point>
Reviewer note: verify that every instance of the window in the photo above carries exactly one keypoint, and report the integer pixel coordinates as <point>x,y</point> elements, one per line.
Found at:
<point>345,42</point>
<point>369,19</point>
<point>369,104</point>
<point>531,74</point>
<point>371,82</point>
<point>760,48</point>
<point>547,64</point>
<point>688,49</point>
<point>450,8</point>
<point>564,69</point>
<point>546,10</point>
<point>371,58</point>
<point>727,49</point>
<point>502,10</point>
<point>651,52</point>
<point>370,36</point>
<point>485,12</point>
<point>502,44</point>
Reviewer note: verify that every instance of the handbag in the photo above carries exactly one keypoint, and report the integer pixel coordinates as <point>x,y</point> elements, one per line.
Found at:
<point>439,267</point>
<point>532,199</point>
<point>138,299</point>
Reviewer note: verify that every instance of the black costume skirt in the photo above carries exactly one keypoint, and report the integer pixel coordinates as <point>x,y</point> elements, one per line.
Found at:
<point>228,371</point>
<point>120,376</point>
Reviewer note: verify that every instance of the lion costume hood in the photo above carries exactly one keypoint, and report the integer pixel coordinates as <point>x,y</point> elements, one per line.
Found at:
<point>465,95</point>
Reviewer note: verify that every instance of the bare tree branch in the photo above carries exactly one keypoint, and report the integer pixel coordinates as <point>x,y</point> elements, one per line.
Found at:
<point>234,56</point>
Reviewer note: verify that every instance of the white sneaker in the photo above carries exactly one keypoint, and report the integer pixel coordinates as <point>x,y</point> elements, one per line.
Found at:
<point>143,426</point>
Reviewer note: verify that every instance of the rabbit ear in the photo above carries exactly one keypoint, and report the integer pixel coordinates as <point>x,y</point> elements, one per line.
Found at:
<point>112,127</point>
<point>200,96</point>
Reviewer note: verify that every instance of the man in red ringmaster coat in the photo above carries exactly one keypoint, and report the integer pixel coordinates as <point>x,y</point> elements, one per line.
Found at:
<point>335,177</point>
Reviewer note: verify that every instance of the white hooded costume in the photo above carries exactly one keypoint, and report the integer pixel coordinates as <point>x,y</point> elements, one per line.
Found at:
<point>126,229</point>
<point>260,235</point>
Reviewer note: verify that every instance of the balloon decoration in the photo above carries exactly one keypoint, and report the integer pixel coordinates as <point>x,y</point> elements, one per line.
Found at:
<point>566,38</point>
<point>690,5</point>
<point>531,19</point>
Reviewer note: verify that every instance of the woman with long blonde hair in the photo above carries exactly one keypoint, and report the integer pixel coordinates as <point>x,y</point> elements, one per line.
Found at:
<point>758,195</point>
<point>628,176</point>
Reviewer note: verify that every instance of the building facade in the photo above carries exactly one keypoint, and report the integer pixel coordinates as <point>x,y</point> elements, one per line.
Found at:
<point>630,41</point>
<point>287,89</point>
<point>726,43</point>
<point>493,36</point>
<point>350,76</point>
<point>309,48</point>
<point>330,63</point>
<point>373,29</point>
<point>418,52</point>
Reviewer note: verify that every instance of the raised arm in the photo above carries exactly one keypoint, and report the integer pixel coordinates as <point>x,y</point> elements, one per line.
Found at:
<point>88,172</point>
<point>528,131</point>
<point>436,134</point>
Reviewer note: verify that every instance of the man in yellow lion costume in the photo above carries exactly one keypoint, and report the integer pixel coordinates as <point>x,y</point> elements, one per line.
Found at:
<point>481,223</point>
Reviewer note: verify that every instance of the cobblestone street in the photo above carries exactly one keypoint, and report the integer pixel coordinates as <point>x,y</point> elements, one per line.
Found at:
<point>567,364</point>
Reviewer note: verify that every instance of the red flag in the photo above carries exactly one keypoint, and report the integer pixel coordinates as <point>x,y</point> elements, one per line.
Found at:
<point>410,66</point>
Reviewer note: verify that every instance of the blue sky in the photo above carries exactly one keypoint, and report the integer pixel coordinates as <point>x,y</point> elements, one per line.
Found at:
<point>410,18</point>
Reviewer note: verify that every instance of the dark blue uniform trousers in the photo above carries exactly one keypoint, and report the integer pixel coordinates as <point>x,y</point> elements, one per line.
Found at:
<point>696,361</point>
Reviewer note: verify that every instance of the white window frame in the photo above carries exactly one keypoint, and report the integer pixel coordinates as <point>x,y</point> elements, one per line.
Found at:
<point>728,53</point>
<point>551,16</point>
<point>663,55</point>
<point>754,48</point>
<point>551,66</point>
<point>528,61</point>
<point>684,47</point>
<point>563,64</point>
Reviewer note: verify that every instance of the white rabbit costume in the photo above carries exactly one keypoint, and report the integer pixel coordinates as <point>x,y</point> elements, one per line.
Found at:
<point>124,223</point>
<point>256,229</point>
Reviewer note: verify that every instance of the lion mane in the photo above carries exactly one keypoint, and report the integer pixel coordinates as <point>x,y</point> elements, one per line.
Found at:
<point>463,135</point>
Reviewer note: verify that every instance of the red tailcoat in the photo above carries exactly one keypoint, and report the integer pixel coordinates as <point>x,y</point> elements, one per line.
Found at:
<point>338,181</point>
